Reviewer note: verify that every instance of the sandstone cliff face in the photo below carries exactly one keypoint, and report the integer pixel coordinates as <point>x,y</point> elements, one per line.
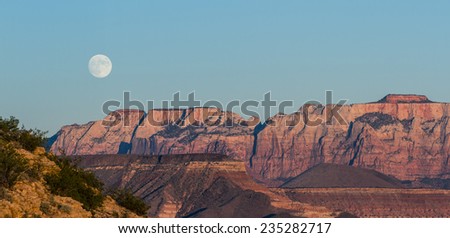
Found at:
<point>406,136</point>
<point>191,131</point>
<point>406,140</point>
<point>108,136</point>
<point>197,130</point>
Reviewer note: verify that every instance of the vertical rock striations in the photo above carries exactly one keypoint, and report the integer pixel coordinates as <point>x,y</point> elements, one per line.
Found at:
<point>193,131</point>
<point>161,131</point>
<point>406,136</point>
<point>112,135</point>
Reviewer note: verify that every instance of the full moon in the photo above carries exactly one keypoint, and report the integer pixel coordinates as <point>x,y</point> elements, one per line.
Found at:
<point>100,66</point>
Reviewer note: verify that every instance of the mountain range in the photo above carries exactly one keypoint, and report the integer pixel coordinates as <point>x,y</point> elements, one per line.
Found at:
<point>402,136</point>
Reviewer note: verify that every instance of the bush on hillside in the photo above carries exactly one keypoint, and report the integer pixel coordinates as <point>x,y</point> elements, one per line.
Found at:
<point>126,199</point>
<point>12,166</point>
<point>76,183</point>
<point>28,139</point>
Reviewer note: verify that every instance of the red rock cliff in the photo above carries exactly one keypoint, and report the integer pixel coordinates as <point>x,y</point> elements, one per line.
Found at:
<point>409,140</point>
<point>406,136</point>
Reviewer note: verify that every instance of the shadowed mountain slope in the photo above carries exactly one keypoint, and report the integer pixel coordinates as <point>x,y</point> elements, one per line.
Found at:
<point>341,176</point>
<point>196,185</point>
<point>208,185</point>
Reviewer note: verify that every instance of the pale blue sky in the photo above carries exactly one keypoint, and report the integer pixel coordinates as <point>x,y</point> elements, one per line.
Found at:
<point>222,50</point>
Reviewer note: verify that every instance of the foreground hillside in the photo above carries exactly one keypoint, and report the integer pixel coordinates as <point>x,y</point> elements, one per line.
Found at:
<point>31,197</point>
<point>36,184</point>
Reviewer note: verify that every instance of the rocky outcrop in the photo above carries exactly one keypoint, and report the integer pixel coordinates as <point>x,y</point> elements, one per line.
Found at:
<point>112,135</point>
<point>399,98</point>
<point>32,197</point>
<point>405,136</point>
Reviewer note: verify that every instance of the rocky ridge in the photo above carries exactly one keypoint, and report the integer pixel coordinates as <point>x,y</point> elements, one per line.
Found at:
<point>405,136</point>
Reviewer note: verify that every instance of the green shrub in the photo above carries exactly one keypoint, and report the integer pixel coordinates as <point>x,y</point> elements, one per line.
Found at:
<point>12,165</point>
<point>126,199</point>
<point>28,139</point>
<point>9,129</point>
<point>76,183</point>
<point>31,139</point>
<point>45,208</point>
